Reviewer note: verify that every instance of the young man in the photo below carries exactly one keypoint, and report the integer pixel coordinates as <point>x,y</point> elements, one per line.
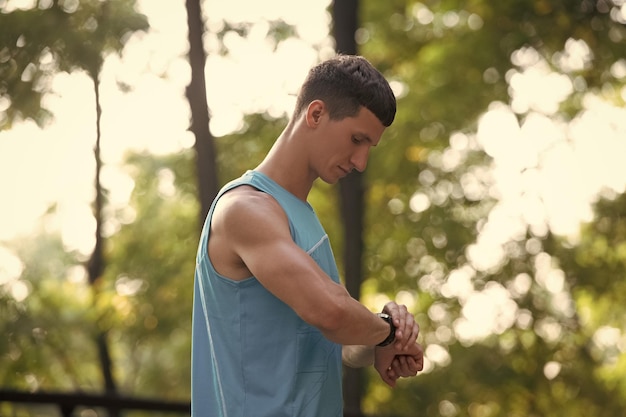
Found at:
<point>271,321</point>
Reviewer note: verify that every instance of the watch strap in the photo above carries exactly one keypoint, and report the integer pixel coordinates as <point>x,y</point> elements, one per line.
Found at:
<point>392,330</point>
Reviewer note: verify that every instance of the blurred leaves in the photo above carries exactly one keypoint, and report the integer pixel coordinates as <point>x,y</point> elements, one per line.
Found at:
<point>540,332</point>
<point>150,285</point>
<point>530,350</point>
<point>46,341</point>
<point>143,300</point>
<point>54,37</point>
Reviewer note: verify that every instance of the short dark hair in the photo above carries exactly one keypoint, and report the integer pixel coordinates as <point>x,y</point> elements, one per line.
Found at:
<point>345,83</point>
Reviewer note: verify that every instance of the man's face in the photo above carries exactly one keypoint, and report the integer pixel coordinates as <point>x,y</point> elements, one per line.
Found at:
<point>345,144</point>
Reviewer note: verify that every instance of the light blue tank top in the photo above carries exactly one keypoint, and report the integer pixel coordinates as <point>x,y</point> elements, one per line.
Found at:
<point>252,356</point>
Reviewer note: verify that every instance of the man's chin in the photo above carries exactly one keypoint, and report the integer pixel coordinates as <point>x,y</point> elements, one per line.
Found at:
<point>330,180</point>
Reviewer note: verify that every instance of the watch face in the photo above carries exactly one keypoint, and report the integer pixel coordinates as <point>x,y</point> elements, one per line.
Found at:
<point>384,316</point>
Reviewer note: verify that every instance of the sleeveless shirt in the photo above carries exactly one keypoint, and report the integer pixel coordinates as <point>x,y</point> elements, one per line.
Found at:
<point>252,356</point>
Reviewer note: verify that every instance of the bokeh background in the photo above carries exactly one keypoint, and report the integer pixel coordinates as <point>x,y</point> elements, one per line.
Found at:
<point>494,207</point>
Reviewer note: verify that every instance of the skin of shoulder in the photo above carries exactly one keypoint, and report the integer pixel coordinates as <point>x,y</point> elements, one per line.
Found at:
<point>233,217</point>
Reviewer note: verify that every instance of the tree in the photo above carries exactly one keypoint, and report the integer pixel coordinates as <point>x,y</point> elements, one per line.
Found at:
<point>420,227</point>
<point>550,345</point>
<point>430,203</point>
<point>351,191</point>
<point>141,302</point>
<point>61,36</point>
<point>196,94</point>
<point>148,283</point>
<point>55,37</point>
<point>44,343</point>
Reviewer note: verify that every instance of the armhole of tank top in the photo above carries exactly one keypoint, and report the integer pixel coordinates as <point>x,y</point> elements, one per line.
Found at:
<point>205,238</point>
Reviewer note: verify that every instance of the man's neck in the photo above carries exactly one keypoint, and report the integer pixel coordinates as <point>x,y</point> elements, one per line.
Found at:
<point>287,164</point>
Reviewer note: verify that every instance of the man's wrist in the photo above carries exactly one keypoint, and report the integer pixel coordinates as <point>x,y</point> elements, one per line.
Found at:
<point>392,330</point>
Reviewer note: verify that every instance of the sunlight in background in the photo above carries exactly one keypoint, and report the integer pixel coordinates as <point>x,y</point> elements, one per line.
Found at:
<point>546,172</point>
<point>55,165</point>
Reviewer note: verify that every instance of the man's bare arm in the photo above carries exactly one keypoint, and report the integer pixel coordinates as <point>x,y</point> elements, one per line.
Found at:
<point>258,233</point>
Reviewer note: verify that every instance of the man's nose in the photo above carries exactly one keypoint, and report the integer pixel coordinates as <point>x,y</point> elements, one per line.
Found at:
<point>359,158</point>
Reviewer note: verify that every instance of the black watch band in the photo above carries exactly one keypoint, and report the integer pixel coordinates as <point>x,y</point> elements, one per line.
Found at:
<point>392,330</point>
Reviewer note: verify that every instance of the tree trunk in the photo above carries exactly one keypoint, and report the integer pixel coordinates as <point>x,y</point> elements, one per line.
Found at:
<point>351,189</point>
<point>96,264</point>
<point>206,163</point>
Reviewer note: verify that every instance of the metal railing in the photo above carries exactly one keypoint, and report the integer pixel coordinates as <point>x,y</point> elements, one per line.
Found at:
<point>68,402</point>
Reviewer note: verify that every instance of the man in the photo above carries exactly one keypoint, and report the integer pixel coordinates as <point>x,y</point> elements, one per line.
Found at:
<point>271,321</point>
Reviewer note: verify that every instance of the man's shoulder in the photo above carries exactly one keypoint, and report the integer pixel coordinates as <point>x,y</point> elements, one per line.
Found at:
<point>245,202</point>
<point>244,197</point>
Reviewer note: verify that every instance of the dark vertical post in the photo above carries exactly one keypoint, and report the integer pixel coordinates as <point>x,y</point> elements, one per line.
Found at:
<point>196,95</point>
<point>351,189</point>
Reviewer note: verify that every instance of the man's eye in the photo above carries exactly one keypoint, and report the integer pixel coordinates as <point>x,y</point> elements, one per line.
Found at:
<point>355,139</point>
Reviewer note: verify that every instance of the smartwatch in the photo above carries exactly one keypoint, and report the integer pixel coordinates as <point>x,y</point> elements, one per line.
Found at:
<point>392,330</point>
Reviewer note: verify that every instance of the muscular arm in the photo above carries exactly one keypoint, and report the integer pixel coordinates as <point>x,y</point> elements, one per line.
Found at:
<point>251,230</point>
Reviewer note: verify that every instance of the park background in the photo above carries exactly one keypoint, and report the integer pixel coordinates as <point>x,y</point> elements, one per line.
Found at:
<point>494,207</point>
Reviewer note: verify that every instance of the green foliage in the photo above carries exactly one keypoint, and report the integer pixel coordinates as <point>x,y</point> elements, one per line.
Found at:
<point>58,36</point>
<point>278,31</point>
<point>596,267</point>
<point>560,353</point>
<point>450,60</point>
<point>142,302</point>
<point>245,149</point>
<point>46,341</point>
<point>149,286</point>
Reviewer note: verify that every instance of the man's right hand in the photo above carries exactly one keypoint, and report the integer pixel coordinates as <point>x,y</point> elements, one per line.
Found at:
<point>407,328</point>
<point>392,364</point>
<point>404,357</point>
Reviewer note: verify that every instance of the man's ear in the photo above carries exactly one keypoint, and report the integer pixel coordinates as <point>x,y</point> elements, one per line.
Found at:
<point>314,113</point>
